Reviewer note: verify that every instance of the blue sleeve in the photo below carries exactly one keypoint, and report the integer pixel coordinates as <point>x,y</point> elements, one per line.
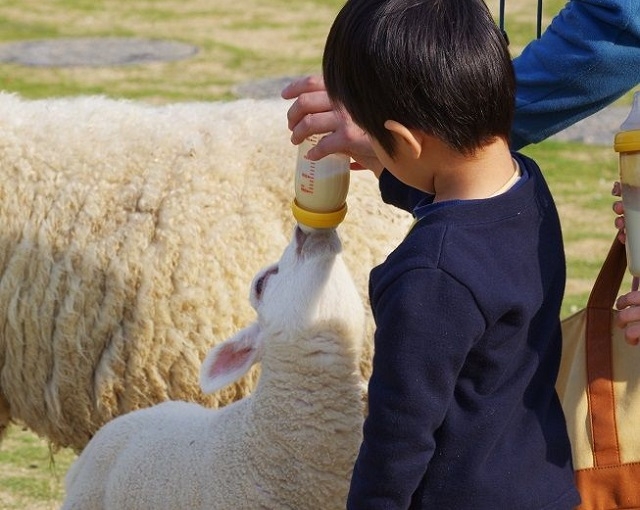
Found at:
<point>426,323</point>
<point>588,57</point>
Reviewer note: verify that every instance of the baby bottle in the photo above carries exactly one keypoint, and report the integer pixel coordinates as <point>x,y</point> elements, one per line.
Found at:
<point>320,188</point>
<point>627,143</point>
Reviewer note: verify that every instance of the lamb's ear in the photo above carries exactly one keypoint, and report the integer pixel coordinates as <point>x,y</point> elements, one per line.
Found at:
<point>231,359</point>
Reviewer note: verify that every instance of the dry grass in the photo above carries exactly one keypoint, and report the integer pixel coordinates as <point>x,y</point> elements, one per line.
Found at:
<point>238,41</point>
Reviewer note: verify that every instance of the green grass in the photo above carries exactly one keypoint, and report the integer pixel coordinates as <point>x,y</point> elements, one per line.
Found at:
<point>240,41</point>
<point>31,476</point>
<point>581,178</point>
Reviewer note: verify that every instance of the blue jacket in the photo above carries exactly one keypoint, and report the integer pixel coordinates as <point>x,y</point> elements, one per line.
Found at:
<point>588,57</point>
<point>463,414</point>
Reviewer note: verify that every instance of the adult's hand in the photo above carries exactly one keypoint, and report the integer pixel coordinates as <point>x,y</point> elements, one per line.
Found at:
<point>628,317</point>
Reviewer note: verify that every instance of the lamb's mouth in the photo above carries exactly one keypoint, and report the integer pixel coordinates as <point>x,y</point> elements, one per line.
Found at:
<point>301,237</point>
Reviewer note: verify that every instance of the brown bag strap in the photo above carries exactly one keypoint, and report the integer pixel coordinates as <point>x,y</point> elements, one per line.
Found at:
<point>599,358</point>
<point>607,285</point>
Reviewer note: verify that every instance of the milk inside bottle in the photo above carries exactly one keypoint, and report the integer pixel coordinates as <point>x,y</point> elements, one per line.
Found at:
<point>321,188</point>
<point>627,143</point>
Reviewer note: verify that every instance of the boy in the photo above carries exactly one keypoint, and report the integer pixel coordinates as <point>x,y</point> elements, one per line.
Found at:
<point>463,412</point>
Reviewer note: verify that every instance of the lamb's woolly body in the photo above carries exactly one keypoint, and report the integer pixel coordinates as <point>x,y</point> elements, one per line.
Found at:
<point>291,444</point>
<point>181,455</point>
<point>129,235</point>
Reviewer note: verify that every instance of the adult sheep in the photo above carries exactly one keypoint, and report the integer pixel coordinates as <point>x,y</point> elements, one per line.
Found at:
<point>129,233</point>
<point>291,444</point>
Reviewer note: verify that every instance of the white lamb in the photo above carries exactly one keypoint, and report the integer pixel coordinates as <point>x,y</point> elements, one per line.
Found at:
<point>291,444</point>
<point>129,235</point>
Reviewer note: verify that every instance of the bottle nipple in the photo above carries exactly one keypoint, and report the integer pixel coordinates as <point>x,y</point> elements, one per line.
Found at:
<point>321,188</point>
<point>628,138</point>
<point>632,122</point>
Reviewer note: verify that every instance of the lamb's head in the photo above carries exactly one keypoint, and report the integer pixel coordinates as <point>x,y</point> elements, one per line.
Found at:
<point>310,283</point>
<point>309,286</point>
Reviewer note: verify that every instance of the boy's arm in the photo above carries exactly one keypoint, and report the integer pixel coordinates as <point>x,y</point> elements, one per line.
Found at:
<point>426,323</point>
<point>587,58</point>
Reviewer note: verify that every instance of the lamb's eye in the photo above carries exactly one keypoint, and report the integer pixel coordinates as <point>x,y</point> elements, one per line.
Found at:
<point>260,285</point>
<point>262,281</point>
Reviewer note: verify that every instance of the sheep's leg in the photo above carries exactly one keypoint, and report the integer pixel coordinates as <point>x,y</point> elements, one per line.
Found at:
<point>5,414</point>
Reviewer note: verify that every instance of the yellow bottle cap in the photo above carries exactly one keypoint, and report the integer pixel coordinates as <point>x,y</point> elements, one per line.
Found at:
<point>627,141</point>
<point>318,219</point>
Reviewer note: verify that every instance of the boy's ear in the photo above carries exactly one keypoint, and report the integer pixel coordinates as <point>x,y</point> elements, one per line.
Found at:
<point>410,139</point>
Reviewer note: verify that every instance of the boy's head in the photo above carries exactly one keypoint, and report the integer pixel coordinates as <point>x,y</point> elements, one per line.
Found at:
<point>439,66</point>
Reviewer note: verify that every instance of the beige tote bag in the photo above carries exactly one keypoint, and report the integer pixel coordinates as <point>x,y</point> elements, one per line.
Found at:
<point>599,387</point>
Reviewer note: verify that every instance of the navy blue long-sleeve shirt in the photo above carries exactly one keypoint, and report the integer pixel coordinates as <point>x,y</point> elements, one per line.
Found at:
<point>463,412</point>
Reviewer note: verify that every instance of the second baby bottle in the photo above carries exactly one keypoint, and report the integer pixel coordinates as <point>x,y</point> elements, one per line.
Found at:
<point>627,143</point>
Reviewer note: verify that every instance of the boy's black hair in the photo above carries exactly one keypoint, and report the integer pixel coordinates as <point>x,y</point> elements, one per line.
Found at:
<point>440,66</point>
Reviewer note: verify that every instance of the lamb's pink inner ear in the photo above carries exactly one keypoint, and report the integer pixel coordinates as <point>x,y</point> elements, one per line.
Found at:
<point>230,358</point>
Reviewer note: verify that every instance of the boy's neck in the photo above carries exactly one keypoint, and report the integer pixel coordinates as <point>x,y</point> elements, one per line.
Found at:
<point>481,175</point>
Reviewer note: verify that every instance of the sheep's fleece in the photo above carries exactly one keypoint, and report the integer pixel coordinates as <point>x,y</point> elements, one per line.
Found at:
<point>130,233</point>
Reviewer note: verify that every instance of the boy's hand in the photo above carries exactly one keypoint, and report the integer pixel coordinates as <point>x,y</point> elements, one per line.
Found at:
<point>312,113</point>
